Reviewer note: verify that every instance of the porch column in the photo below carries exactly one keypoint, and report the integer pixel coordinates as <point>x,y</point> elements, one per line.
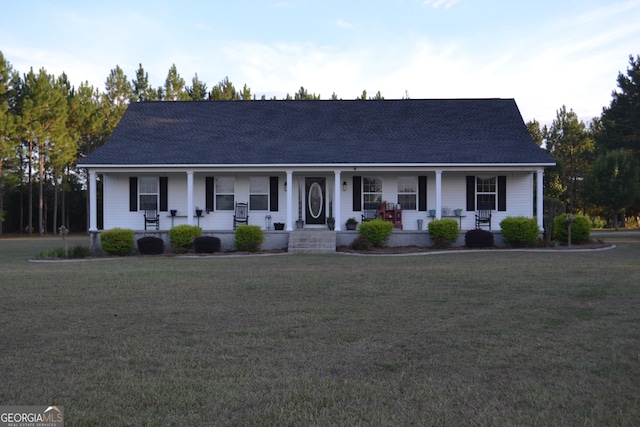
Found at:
<point>190,198</point>
<point>93,202</point>
<point>289,183</point>
<point>337,204</point>
<point>540,198</point>
<point>439,194</point>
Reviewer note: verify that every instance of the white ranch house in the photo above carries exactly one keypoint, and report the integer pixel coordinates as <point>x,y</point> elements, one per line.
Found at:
<point>291,160</point>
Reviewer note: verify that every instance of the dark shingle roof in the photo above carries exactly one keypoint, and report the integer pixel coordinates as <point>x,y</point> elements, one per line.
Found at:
<point>442,131</point>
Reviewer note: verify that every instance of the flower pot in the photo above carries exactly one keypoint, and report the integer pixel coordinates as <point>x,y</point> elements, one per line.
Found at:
<point>457,212</point>
<point>278,225</point>
<point>351,225</point>
<point>432,213</point>
<point>173,212</point>
<point>198,212</point>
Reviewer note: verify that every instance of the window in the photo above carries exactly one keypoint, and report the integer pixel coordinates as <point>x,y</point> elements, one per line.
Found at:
<point>148,192</point>
<point>407,192</point>
<point>225,190</point>
<point>259,193</point>
<point>371,190</point>
<point>486,191</point>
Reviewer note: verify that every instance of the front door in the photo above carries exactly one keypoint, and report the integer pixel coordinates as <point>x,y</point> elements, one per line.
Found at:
<point>314,190</point>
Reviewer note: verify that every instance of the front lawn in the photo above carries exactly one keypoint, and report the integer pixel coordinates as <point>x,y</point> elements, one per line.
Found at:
<point>493,338</point>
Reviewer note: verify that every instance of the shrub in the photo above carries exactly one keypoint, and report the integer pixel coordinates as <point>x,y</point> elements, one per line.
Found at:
<point>361,243</point>
<point>443,232</point>
<point>377,231</point>
<point>79,251</point>
<point>150,245</point>
<point>181,237</point>
<point>74,252</point>
<point>580,229</point>
<point>117,241</point>
<point>248,238</point>
<point>478,239</point>
<point>206,245</point>
<point>520,231</point>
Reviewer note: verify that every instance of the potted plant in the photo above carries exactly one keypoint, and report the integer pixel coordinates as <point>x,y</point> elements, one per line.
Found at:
<point>457,212</point>
<point>174,212</point>
<point>278,225</point>
<point>198,212</point>
<point>432,213</point>
<point>351,223</point>
<point>331,221</point>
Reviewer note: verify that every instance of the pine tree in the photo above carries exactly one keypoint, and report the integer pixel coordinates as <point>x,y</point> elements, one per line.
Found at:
<point>198,90</point>
<point>174,86</point>
<point>620,127</point>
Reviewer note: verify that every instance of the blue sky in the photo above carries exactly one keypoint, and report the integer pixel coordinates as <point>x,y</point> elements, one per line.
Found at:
<point>544,53</point>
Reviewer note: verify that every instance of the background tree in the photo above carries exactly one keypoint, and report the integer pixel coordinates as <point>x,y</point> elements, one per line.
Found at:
<point>245,95</point>
<point>198,89</point>
<point>224,91</point>
<point>572,146</point>
<point>141,89</point>
<point>8,142</point>
<point>620,126</point>
<point>537,133</point>
<point>118,94</point>
<point>613,183</point>
<point>44,118</point>
<point>174,86</point>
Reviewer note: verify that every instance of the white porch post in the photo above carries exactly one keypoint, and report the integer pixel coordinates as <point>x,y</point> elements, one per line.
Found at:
<point>289,184</point>
<point>540,198</point>
<point>438,194</point>
<point>336,206</point>
<point>190,206</point>
<point>93,202</point>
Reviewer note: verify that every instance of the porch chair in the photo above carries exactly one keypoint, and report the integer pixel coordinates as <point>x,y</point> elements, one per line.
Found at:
<point>370,211</point>
<point>241,215</point>
<point>483,215</point>
<point>151,216</point>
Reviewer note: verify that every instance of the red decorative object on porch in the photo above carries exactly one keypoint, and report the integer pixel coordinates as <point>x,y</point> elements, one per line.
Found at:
<point>392,213</point>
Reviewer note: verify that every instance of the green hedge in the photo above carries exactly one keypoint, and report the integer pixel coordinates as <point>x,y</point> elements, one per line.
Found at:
<point>443,232</point>
<point>117,241</point>
<point>248,238</point>
<point>182,236</point>
<point>580,229</point>
<point>377,231</point>
<point>519,231</point>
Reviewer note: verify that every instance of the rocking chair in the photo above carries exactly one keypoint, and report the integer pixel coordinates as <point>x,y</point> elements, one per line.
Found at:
<point>241,215</point>
<point>483,215</point>
<point>151,216</point>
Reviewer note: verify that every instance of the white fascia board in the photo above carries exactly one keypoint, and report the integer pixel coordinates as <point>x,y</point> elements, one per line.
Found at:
<point>316,167</point>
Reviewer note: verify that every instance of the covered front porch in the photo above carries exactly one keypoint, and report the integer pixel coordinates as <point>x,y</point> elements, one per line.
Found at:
<point>305,197</point>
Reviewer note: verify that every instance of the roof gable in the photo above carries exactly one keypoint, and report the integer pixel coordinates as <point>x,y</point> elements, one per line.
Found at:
<point>456,131</point>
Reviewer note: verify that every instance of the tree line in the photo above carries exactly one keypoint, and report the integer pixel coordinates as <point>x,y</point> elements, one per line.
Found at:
<point>47,125</point>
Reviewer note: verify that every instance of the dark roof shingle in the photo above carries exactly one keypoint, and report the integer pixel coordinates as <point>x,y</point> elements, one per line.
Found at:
<point>439,131</point>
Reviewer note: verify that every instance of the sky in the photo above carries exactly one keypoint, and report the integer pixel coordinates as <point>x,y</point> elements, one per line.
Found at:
<point>543,53</point>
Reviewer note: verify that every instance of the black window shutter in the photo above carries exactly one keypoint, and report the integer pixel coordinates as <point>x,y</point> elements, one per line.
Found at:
<point>273,194</point>
<point>502,193</point>
<point>357,193</point>
<point>471,193</point>
<point>164,193</point>
<point>133,193</point>
<point>422,193</point>
<point>208,189</point>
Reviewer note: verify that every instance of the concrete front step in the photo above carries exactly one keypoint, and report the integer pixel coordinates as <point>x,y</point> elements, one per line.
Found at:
<point>312,241</point>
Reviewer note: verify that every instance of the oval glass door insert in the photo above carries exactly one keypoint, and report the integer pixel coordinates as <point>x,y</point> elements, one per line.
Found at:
<point>315,200</point>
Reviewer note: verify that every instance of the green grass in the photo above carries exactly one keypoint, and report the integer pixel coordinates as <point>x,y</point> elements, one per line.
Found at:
<point>483,338</point>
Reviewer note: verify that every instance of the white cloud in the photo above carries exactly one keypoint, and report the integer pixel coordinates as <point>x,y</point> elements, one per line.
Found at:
<point>436,4</point>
